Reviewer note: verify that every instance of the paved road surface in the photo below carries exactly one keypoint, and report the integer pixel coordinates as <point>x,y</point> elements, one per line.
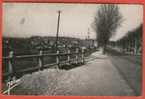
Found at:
<point>130,68</point>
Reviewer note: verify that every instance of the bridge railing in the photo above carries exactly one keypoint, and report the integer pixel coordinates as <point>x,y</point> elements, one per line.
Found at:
<point>79,58</point>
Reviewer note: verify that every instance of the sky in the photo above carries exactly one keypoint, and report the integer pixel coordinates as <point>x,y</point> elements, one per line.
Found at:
<point>40,19</point>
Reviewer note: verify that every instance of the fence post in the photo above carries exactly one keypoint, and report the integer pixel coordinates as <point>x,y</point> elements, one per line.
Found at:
<point>57,59</point>
<point>68,56</point>
<point>77,50</point>
<point>40,60</point>
<point>10,69</point>
<point>11,55</point>
<point>82,56</point>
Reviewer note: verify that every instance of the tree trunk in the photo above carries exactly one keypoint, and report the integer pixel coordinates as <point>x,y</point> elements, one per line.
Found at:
<point>104,49</point>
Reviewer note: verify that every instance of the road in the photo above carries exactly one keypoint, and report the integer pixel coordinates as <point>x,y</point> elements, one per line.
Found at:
<point>102,75</point>
<point>130,68</point>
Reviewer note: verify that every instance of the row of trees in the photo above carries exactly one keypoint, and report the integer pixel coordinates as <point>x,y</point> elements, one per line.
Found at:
<point>107,20</point>
<point>132,42</point>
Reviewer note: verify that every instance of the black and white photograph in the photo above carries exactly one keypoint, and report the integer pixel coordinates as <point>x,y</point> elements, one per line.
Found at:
<point>72,49</point>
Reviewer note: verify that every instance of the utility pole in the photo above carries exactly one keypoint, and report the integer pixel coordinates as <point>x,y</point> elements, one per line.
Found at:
<point>88,33</point>
<point>58,23</point>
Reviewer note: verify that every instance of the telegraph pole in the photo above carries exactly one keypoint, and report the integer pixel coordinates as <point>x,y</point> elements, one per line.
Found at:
<point>58,23</point>
<point>88,33</point>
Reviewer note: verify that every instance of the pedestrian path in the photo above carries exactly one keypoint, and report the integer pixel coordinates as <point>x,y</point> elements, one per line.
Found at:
<point>97,78</point>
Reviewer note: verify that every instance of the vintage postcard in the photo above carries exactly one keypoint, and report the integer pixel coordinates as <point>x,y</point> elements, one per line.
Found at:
<point>72,49</point>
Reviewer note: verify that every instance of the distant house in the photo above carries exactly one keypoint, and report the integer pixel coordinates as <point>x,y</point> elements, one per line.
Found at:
<point>89,43</point>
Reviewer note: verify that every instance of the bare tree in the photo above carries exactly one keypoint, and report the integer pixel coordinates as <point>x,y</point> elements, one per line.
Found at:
<point>107,20</point>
